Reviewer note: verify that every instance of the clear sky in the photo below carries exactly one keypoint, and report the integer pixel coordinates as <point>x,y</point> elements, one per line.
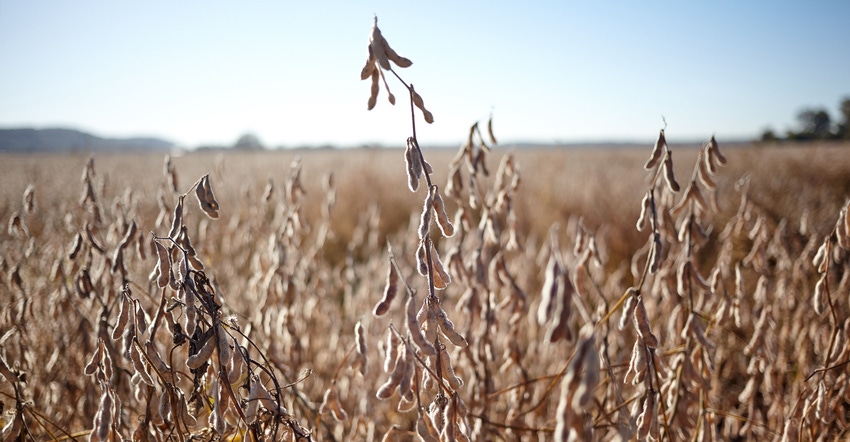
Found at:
<point>206,72</point>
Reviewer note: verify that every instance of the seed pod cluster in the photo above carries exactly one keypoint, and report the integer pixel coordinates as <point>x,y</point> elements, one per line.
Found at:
<point>647,420</point>
<point>380,56</point>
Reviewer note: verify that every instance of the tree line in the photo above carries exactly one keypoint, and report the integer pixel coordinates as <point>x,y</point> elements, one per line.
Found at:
<point>815,123</point>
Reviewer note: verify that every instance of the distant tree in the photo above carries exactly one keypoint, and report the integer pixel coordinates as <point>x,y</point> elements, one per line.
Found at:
<point>248,142</point>
<point>844,124</point>
<point>815,123</point>
<point>768,136</point>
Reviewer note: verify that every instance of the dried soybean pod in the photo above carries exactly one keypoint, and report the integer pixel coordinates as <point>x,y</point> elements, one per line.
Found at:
<point>657,150</point>
<point>224,353</point>
<point>164,263</point>
<point>657,254</point>
<point>266,399</point>
<point>253,403</point>
<point>714,152</point>
<point>140,245</point>
<point>196,360</point>
<point>131,233</point>
<point>418,102</point>
<point>642,325</point>
<point>441,277</point>
<point>163,407</point>
<point>645,210</point>
<point>361,359</point>
<point>821,261</point>
<point>842,229</point>
<point>628,308</point>
<point>390,291</point>
<point>391,357</point>
<point>237,368</point>
<point>139,364</point>
<point>425,218</point>
<point>490,130</point>
<point>669,178</point>
<point>140,320</point>
<point>91,367</point>
<point>76,246</point>
<point>373,94</point>
<point>154,359</point>
<point>378,45</point>
<point>421,263</point>
<point>369,67</point>
<point>427,317</point>
<point>413,163</point>
<point>393,56</point>
<point>123,317</point>
<point>549,293</point>
<point>443,222</point>
<point>847,221</point>
<point>819,300</point>
<point>406,383</point>
<point>206,197</point>
<point>448,371</point>
<point>415,330</point>
<point>331,402</point>
<point>448,329</point>
<point>177,219</point>
<point>647,421</point>
<point>388,388</point>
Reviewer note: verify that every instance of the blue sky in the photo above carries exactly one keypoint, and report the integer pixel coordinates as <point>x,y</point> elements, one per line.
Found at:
<point>562,71</point>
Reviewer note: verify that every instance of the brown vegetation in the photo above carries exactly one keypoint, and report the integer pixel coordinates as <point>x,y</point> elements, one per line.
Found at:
<point>545,294</point>
<point>303,314</point>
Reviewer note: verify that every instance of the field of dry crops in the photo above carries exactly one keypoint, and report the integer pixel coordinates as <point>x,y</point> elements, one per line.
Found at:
<point>254,296</point>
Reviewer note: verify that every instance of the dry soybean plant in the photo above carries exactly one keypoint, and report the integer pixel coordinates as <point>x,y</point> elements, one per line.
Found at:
<point>417,357</point>
<point>128,314</point>
<point>172,363</point>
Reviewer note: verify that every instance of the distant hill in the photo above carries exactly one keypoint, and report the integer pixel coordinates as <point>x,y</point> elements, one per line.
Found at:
<point>70,140</point>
